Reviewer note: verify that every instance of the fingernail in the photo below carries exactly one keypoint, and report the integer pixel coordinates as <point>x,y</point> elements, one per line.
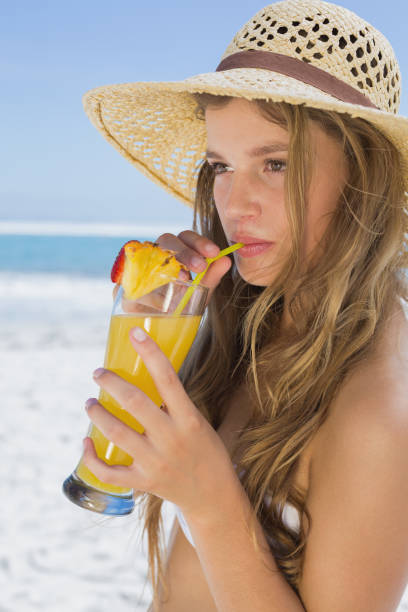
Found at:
<point>139,334</point>
<point>98,372</point>
<point>197,262</point>
<point>90,401</point>
<point>211,250</point>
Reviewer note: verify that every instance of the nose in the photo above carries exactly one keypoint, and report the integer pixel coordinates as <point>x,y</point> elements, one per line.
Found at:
<point>240,197</point>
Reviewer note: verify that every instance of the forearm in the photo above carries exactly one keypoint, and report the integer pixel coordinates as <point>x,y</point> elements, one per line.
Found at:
<point>240,577</point>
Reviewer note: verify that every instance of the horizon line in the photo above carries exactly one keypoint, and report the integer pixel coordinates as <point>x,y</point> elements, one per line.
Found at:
<point>70,228</point>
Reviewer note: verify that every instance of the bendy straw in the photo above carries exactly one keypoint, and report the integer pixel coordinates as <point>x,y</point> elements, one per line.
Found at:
<point>198,278</point>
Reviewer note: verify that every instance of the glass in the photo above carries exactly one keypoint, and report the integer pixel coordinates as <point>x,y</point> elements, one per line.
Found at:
<point>174,333</point>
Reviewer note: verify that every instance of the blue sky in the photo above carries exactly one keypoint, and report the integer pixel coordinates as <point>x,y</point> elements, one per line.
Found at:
<point>55,164</point>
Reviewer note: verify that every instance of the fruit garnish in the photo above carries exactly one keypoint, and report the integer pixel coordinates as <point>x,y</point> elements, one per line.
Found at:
<point>117,268</point>
<point>141,267</point>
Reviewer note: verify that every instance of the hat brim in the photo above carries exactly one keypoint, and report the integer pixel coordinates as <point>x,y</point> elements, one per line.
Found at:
<point>154,125</point>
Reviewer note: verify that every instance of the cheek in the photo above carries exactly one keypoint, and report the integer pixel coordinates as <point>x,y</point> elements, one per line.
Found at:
<point>326,187</point>
<point>220,192</point>
<point>323,201</point>
<point>267,193</point>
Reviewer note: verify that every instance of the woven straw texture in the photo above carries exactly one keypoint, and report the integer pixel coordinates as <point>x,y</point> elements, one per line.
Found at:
<point>154,125</point>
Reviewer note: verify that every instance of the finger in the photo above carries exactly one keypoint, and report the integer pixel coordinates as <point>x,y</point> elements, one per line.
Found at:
<point>184,275</point>
<point>215,273</point>
<point>201,244</point>
<point>129,440</point>
<point>117,475</point>
<point>134,401</point>
<point>191,249</point>
<point>167,382</point>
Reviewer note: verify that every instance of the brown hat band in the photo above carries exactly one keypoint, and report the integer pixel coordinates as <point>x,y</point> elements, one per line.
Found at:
<point>296,69</point>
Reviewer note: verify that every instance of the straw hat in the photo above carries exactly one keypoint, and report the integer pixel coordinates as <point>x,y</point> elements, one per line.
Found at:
<point>299,51</point>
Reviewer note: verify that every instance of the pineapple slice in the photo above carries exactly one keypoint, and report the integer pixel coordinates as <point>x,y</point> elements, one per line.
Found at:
<point>141,267</point>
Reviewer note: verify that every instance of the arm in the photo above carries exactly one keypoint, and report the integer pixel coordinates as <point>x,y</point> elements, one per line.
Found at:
<point>240,578</point>
<point>181,458</point>
<point>357,551</point>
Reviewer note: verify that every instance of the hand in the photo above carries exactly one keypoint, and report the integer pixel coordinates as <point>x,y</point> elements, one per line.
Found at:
<point>192,249</point>
<point>179,457</point>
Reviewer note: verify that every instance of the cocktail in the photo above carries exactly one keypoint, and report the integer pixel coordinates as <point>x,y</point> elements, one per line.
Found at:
<point>158,312</point>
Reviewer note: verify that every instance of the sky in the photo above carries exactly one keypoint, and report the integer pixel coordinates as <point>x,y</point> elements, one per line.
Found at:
<point>55,165</point>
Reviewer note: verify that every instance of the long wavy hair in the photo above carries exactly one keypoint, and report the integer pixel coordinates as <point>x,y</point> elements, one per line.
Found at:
<point>337,302</point>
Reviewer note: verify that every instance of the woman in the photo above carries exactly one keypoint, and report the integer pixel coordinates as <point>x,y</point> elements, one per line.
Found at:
<point>284,448</point>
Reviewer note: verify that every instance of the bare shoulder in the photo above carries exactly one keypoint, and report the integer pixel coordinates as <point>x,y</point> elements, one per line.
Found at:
<point>375,395</point>
<point>358,492</point>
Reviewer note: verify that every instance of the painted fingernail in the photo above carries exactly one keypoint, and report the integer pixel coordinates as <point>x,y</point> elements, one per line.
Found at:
<point>89,402</point>
<point>139,334</point>
<point>98,372</point>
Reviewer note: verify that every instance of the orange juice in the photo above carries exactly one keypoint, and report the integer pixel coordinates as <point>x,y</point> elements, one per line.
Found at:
<point>174,335</point>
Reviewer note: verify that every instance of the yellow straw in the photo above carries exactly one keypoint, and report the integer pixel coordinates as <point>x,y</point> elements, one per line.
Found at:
<point>198,278</point>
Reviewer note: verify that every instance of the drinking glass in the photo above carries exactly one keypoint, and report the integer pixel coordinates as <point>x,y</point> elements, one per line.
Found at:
<point>174,333</point>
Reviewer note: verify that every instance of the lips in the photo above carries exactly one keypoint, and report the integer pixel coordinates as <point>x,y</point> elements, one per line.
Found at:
<point>247,239</point>
<point>253,246</point>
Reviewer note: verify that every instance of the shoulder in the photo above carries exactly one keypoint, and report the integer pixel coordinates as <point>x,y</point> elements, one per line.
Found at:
<point>373,405</point>
<point>372,402</point>
<point>358,490</point>
<point>367,429</point>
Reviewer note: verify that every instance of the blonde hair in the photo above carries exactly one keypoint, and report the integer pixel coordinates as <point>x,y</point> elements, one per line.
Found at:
<point>337,303</point>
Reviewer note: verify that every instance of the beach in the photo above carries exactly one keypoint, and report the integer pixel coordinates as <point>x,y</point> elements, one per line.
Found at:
<point>55,556</point>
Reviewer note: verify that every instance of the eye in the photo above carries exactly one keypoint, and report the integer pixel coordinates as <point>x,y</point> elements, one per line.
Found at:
<point>219,168</point>
<point>276,165</point>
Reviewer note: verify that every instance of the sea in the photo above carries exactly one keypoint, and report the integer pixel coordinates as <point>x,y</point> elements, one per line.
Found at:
<point>56,252</point>
<point>55,304</point>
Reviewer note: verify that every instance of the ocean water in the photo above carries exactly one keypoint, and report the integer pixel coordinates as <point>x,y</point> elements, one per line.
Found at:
<point>83,256</point>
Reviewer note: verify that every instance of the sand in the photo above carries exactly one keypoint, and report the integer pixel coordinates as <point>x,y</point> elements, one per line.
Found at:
<point>54,555</point>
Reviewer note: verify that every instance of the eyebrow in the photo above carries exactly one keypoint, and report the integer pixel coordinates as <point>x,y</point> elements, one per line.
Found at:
<point>258,151</point>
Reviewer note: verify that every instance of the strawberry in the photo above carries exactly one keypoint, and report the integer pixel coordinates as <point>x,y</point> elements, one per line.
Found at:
<point>118,266</point>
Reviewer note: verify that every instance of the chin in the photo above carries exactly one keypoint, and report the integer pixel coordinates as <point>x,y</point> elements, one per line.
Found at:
<point>254,278</point>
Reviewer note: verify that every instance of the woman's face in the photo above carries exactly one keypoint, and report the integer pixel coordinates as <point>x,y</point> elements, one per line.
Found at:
<point>249,155</point>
